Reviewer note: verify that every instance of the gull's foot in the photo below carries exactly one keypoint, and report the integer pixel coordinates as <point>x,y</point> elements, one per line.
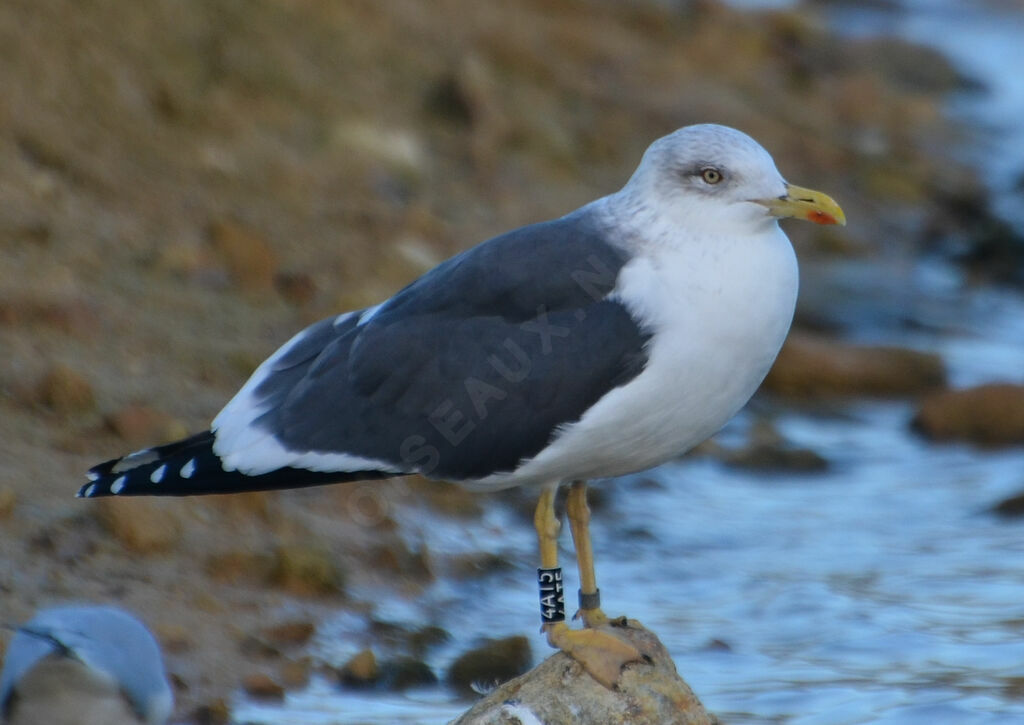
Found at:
<point>592,618</point>
<point>602,655</point>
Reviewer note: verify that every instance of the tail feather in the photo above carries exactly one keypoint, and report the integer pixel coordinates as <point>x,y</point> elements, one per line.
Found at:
<point>190,467</point>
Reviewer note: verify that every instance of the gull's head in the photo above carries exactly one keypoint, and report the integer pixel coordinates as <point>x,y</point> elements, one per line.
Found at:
<point>715,175</point>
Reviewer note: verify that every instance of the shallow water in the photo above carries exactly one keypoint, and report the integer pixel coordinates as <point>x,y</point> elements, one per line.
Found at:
<point>878,591</point>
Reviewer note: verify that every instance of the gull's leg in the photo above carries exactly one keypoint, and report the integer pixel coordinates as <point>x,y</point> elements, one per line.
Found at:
<point>600,653</point>
<point>579,524</point>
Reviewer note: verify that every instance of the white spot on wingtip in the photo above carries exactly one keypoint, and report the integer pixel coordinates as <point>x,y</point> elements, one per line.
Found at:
<point>117,486</point>
<point>188,469</point>
<point>92,476</point>
<point>158,475</point>
<point>88,491</point>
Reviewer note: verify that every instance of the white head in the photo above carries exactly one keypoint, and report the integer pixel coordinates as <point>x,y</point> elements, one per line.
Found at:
<point>717,178</point>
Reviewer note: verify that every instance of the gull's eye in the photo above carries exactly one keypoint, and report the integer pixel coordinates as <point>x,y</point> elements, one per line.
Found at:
<point>710,175</point>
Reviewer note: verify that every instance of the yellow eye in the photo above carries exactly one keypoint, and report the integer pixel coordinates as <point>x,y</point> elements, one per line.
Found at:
<point>711,175</point>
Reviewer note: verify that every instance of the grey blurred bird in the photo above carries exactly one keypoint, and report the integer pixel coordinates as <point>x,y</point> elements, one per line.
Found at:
<point>84,665</point>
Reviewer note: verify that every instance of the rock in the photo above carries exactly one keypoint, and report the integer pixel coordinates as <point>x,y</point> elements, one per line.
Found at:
<point>963,221</point>
<point>294,674</point>
<point>767,450</point>
<point>305,571</point>
<point>140,425</point>
<point>560,691</point>
<point>263,686</point>
<point>494,662</point>
<point>402,673</point>
<point>247,256</point>
<point>1011,507</point>
<point>141,525</point>
<point>474,565</point>
<point>415,642</point>
<point>290,633</point>
<point>8,500</point>
<point>811,365</point>
<point>360,671</point>
<point>395,556</point>
<point>71,315</point>
<point>398,148</point>
<point>989,415</point>
<point>426,638</point>
<point>173,637</point>
<point>296,288</point>
<point>65,391</point>
<point>212,713</point>
<point>232,567</point>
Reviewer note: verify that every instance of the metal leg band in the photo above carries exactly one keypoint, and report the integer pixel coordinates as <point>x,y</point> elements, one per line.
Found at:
<point>591,600</point>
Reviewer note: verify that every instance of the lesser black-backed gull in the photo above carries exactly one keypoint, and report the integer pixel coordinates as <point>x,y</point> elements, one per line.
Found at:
<point>598,344</point>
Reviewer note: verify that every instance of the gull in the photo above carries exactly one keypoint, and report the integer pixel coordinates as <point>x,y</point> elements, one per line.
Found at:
<point>84,665</point>
<point>598,344</point>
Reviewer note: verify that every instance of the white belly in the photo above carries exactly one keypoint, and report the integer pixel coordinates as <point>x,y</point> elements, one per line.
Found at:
<point>719,318</point>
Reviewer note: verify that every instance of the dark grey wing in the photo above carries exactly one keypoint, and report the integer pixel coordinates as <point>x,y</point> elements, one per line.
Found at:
<point>472,368</point>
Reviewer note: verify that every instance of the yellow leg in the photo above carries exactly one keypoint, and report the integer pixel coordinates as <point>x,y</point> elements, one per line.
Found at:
<point>601,654</point>
<point>548,526</point>
<point>579,524</point>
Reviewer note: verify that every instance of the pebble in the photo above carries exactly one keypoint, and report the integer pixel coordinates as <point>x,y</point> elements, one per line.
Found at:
<point>141,525</point>
<point>8,500</point>
<point>360,671</point>
<point>402,673</point>
<point>64,390</point>
<point>813,366</point>
<point>1011,507</point>
<point>249,259</point>
<point>296,632</point>
<point>305,571</point>
<point>263,686</point>
<point>140,425</point>
<point>492,663</point>
<point>989,415</point>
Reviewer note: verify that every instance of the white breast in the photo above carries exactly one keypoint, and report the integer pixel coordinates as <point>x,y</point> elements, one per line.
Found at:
<point>719,314</point>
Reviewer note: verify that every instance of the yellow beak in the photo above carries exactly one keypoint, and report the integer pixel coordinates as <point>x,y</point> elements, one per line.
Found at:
<point>805,204</point>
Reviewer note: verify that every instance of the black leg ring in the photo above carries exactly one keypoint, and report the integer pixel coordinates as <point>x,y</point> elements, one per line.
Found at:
<point>552,606</point>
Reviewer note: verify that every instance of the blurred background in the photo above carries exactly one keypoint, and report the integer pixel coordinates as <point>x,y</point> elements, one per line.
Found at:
<point>185,183</point>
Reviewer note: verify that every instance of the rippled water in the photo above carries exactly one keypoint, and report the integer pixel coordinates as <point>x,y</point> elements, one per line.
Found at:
<point>879,591</point>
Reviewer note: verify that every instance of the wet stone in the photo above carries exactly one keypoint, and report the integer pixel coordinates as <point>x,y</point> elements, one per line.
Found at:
<point>216,712</point>
<point>262,686</point>
<point>560,691</point>
<point>1012,507</point>
<point>295,674</point>
<point>494,662</point>
<point>403,673</point>
<point>989,415</point>
<point>812,365</point>
<point>472,566</point>
<point>305,571</point>
<point>360,671</point>
<point>290,633</point>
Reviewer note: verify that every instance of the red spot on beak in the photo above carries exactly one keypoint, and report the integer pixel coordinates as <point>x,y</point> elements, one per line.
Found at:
<point>820,217</point>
